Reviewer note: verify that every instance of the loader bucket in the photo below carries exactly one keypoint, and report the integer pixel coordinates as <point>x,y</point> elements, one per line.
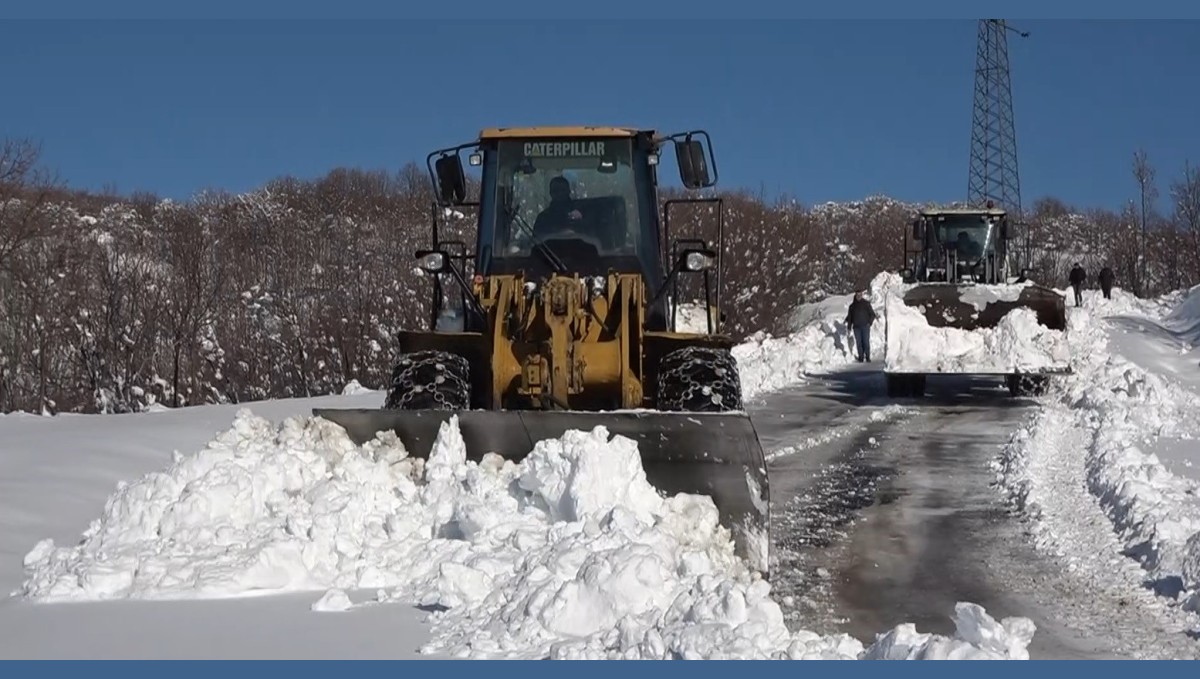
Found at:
<point>968,307</point>
<point>714,454</point>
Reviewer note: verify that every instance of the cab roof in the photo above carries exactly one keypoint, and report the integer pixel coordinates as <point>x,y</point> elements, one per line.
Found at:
<point>995,211</point>
<point>557,131</point>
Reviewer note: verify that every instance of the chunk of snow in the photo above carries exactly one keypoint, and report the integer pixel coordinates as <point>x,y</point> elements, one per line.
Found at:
<point>333,600</point>
<point>353,388</point>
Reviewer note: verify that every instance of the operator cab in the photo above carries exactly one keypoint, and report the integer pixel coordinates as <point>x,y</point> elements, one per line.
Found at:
<point>574,203</point>
<point>961,245</point>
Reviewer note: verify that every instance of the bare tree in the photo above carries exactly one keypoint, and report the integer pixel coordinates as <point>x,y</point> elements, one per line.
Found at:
<point>195,276</point>
<point>1185,193</point>
<point>1143,174</point>
<point>25,191</point>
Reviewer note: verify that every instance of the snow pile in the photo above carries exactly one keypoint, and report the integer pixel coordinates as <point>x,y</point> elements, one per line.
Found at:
<point>1095,431</point>
<point>1124,302</point>
<point>820,341</point>
<point>353,388</point>
<point>691,317</point>
<point>980,296</point>
<point>570,554</point>
<point>977,637</point>
<point>1184,319</point>
<point>767,363</point>
<point>1018,343</point>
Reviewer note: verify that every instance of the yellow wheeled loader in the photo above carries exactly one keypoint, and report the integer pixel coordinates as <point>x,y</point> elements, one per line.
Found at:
<point>566,318</point>
<point>959,277</point>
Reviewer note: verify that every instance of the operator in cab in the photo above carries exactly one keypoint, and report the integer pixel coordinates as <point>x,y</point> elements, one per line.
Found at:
<point>561,214</point>
<point>966,248</point>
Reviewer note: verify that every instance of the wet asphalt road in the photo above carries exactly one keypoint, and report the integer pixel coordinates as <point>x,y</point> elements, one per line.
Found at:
<point>884,520</point>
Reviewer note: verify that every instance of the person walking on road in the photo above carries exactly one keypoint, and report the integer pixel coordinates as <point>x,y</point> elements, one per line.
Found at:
<point>1106,281</point>
<point>859,319</point>
<point>1078,276</point>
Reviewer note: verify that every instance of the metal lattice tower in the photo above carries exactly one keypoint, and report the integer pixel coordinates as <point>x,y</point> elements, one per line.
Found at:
<point>994,173</point>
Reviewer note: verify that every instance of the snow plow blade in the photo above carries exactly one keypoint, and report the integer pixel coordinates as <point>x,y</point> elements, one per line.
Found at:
<point>940,328</point>
<point>713,454</point>
<point>957,306</point>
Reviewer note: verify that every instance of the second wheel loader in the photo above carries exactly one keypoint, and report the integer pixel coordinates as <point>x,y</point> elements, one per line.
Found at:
<point>960,293</point>
<point>566,318</point>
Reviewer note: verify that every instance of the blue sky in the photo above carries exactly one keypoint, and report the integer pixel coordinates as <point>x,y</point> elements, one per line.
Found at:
<point>819,110</point>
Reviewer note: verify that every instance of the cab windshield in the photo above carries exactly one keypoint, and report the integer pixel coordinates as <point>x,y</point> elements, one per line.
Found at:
<point>579,198</point>
<point>970,236</point>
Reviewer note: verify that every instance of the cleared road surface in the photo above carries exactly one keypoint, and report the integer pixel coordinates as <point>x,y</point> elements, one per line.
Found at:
<point>885,513</point>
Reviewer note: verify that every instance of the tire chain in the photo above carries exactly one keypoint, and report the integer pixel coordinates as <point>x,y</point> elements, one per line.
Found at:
<point>430,380</point>
<point>699,379</point>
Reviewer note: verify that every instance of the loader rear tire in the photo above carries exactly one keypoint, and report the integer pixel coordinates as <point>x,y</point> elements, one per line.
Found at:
<point>699,379</point>
<point>430,380</point>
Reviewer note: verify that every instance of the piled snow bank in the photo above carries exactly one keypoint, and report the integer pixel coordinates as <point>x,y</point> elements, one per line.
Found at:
<point>767,363</point>
<point>1114,411</point>
<point>819,341</point>
<point>1018,343</point>
<point>570,554</point>
<point>977,637</point>
<point>1123,302</point>
<point>1184,319</point>
<point>353,388</point>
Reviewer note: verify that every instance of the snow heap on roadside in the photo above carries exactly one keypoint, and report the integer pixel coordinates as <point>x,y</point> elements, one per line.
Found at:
<point>820,341</point>
<point>1102,420</point>
<point>570,554</point>
<point>1018,343</point>
<point>353,388</point>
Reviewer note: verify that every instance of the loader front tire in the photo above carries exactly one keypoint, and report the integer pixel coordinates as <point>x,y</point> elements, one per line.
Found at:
<point>430,380</point>
<point>699,379</point>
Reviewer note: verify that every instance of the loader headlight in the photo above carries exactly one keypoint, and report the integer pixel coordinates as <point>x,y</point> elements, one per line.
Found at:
<point>698,260</point>
<point>432,261</point>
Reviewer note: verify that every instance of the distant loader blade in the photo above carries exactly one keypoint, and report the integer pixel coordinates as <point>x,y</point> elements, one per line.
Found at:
<point>714,454</point>
<point>949,306</point>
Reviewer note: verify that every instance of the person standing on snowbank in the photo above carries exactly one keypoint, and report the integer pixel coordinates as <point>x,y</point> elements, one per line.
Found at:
<point>859,319</point>
<point>1078,276</point>
<point>1106,282</point>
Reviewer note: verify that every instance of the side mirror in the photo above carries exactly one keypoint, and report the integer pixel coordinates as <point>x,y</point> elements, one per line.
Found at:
<point>433,261</point>
<point>918,230</point>
<point>452,182</point>
<point>696,260</point>
<point>1004,230</point>
<point>693,166</point>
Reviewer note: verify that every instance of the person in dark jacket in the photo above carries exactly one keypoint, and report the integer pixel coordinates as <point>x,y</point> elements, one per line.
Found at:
<point>859,319</point>
<point>1106,281</point>
<point>1078,276</point>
